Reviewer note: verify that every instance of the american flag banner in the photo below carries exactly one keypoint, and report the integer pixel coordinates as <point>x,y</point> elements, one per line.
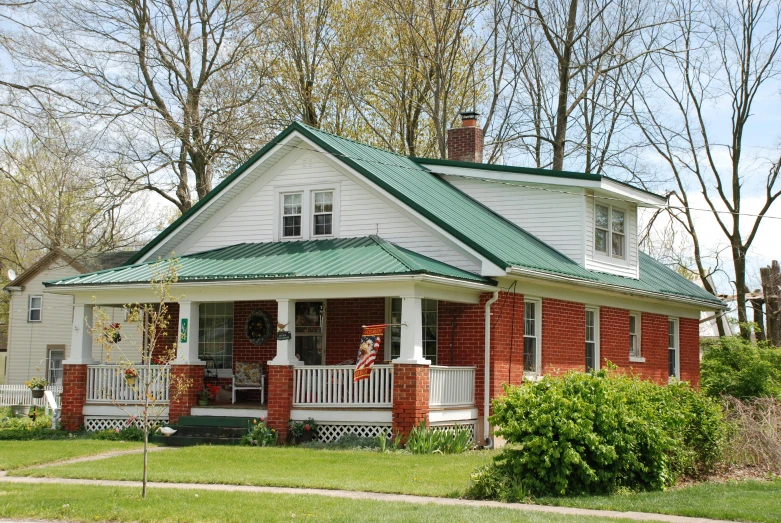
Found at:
<point>368,351</point>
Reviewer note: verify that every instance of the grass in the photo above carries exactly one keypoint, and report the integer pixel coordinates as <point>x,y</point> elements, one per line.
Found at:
<point>736,500</point>
<point>85,503</point>
<point>427,475</point>
<point>16,454</point>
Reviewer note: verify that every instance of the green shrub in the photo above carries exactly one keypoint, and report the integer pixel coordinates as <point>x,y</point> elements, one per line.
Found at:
<point>131,433</point>
<point>426,440</point>
<point>260,435</point>
<point>732,366</point>
<point>345,442</point>
<point>598,433</point>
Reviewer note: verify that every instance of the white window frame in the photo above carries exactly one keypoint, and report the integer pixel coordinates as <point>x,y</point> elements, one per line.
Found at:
<point>30,308</point>
<point>315,213</point>
<point>537,336</point>
<point>597,358</point>
<point>222,372</point>
<point>389,330</point>
<point>388,341</point>
<point>608,254</point>
<point>638,358</point>
<point>677,348</point>
<point>307,211</point>
<point>282,215</point>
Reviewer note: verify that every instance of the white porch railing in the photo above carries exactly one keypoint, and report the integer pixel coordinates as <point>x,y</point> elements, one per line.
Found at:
<point>107,384</point>
<point>11,395</point>
<point>451,386</point>
<point>333,386</point>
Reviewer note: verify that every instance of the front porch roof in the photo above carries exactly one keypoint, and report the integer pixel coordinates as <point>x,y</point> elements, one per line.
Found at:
<point>331,258</point>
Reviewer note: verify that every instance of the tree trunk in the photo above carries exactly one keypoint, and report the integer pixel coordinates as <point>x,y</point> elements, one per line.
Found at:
<point>146,460</point>
<point>560,136</point>
<point>771,283</point>
<point>739,262</point>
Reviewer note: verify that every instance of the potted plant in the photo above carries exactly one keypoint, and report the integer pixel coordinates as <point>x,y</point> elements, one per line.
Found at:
<point>302,431</point>
<point>36,386</point>
<point>207,394</point>
<point>111,333</point>
<point>130,375</point>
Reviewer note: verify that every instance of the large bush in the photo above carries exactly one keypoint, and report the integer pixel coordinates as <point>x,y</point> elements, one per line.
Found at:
<point>732,366</point>
<point>598,433</point>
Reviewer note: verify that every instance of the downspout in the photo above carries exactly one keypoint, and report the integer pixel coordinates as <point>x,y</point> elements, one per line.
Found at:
<point>487,379</point>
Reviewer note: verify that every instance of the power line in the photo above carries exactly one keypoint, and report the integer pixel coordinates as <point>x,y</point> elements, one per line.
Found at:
<point>513,184</point>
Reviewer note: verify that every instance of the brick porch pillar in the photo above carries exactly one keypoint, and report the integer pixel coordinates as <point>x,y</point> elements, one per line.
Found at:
<point>186,382</point>
<point>410,397</point>
<point>280,398</point>
<point>74,395</point>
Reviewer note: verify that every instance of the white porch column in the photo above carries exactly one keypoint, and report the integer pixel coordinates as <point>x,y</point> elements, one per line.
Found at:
<point>286,349</point>
<point>81,337</point>
<point>411,352</point>
<point>187,337</point>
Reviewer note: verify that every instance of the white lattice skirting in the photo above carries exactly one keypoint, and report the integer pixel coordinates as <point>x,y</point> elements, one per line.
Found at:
<point>332,432</point>
<point>98,423</point>
<point>470,425</point>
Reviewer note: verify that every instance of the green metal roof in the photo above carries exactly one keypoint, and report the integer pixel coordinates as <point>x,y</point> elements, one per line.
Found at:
<point>488,233</point>
<point>369,256</point>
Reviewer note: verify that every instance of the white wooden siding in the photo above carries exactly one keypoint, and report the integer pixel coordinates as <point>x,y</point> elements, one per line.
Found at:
<point>628,267</point>
<point>552,216</point>
<point>363,212</point>
<point>28,341</point>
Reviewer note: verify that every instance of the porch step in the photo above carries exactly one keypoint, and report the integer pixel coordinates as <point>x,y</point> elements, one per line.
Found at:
<point>189,441</point>
<point>205,430</point>
<point>215,421</point>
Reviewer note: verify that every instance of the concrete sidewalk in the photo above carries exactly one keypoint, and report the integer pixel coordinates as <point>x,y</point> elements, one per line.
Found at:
<point>349,494</point>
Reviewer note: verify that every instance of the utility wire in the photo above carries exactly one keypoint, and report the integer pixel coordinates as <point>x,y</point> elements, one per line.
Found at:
<point>513,184</point>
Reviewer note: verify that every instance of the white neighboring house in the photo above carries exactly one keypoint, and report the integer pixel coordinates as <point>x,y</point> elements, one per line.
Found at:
<point>39,325</point>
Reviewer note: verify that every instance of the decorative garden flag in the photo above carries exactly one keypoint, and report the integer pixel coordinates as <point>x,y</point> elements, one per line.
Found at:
<point>367,353</point>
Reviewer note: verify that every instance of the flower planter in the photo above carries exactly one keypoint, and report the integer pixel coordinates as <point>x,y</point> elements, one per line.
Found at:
<point>203,403</point>
<point>20,410</point>
<point>131,380</point>
<point>37,393</point>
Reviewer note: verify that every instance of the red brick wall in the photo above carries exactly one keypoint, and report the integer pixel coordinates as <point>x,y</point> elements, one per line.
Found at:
<point>653,347</point>
<point>563,336</point>
<point>280,398</point>
<point>506,342</point>
<point>465,144</point>
<point>74,394</point>
<point>244,350</point>
<point>689,336</point>
<point>469,341</point>
<point>344,319</point>
<point>614,337</point>
<point>170,335</point>
<point>410,397</point>
<point>186,383</point>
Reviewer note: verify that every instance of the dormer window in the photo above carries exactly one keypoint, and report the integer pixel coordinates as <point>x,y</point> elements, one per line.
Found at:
<point>291,215</point>
<point>323,213</point>
<point>609,231</point>
<point>305,213</point>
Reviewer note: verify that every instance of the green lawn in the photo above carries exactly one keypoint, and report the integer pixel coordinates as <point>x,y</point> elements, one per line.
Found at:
<point>15,454</point>
<point>736,500</point>
<point>428,475</point>
<point>82,503</point>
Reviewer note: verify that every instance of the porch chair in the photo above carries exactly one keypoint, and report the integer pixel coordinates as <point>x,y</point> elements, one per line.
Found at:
<point>248,376</point>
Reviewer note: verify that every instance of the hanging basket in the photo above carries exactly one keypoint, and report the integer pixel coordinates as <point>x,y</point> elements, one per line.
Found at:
<point>131,380</point>
<point>37,393</point>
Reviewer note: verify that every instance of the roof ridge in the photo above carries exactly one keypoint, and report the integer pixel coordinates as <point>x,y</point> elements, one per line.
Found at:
<point>386,246</point>
<point>340,137</point>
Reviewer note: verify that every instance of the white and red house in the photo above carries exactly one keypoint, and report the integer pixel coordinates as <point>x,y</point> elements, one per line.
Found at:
<point>493,274</point>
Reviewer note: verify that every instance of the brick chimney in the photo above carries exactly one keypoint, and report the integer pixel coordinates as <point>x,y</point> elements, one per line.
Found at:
<point>465,143</point>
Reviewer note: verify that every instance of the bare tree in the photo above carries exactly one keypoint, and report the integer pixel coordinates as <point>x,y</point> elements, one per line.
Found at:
<point>175,84</point>
<point>582,49</point>
<point>727,51</point>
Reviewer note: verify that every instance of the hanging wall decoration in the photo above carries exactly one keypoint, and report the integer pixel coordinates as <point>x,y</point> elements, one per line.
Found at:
<point>259,327</point>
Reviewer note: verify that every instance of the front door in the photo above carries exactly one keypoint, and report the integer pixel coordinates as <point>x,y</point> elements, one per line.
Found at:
<point>310,326</point>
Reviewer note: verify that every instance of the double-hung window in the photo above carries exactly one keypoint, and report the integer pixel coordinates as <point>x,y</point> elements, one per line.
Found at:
<point>215,334</point>
<point>673,363</point>
<point>634,336</point>
<point>531,337</point>
<point>34,308</point>
<point>592,337</point>
<point>323,215</point>
<point>291,215</point>
<point>609,231</point>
